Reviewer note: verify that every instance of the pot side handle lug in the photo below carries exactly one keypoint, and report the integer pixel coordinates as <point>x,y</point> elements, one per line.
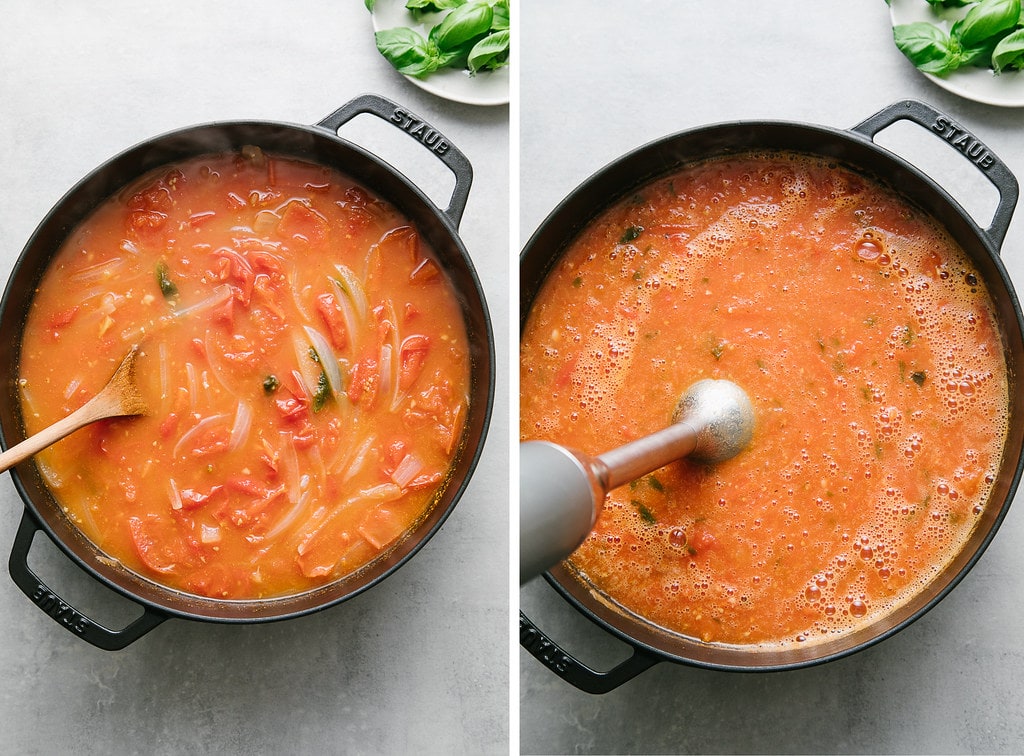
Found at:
<point>431,139</point>
<point>574,672</point>
<point>964,142</point>
<point>59,610</point>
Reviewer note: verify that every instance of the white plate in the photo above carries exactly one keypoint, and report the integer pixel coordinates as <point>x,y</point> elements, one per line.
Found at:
<point>978,84</point>
<point>486,88</point>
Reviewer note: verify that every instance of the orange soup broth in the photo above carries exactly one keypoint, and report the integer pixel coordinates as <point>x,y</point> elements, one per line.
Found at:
<point>254,284</point>
<point>868,346</point>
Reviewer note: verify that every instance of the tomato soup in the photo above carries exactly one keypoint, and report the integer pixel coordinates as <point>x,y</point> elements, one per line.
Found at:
<point>303,357</point>
<point>868,346</point>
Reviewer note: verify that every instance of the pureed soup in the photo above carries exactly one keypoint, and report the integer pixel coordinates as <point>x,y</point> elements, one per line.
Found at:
<point>303,356</point>
<point>868,346</point>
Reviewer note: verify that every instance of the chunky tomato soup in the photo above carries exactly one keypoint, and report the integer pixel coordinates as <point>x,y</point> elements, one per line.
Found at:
<point>868,346</point>
<point>303,356</point>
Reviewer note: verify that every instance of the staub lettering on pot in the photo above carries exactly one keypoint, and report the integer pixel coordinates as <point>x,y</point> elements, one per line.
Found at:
<point>963,140</point>
<point>421,130</point>
<point>56,608</point>
<point>534,641</point>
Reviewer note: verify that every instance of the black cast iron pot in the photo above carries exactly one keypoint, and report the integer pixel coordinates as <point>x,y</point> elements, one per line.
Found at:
<point>854,148</point>
<point>321,144</point>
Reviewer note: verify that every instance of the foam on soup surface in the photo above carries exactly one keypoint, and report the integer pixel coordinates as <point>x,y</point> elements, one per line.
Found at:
<point>304,358</point>
<point>869,348</point>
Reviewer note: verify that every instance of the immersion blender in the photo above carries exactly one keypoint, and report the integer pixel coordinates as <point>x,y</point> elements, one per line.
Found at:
<point>561,490</point>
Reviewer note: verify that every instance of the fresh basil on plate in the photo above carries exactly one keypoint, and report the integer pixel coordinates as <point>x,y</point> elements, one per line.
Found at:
<point>472,35</point>
<point>990,35</point>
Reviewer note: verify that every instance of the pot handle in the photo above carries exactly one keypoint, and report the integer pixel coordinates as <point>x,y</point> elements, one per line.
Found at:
<point>962,140</point>
<point>574,672</point>
<point>432,139</point>
<point>62,612</point>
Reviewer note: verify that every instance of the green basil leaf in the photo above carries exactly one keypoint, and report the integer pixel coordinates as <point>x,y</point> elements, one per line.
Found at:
<point>163,279</point>
<point>458,57</point>
<point>927,47</point>
<point>407,51</point>
<point>500,21</point>
<point>490,53</point>
<point>986,19</point>
<point>369,4</point>
<point>463,24</point>
<point>980,56</point>
<point>1008,55</point>
<point>419,8</point>
<point>322,393</point>
<point>951,3</point>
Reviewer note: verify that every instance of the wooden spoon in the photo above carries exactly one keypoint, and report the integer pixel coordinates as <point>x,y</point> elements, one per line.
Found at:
<point>120,397</point>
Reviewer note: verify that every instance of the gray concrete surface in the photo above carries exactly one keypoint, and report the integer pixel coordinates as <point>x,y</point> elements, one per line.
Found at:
<point>420,663</point>
<point>600,78</point>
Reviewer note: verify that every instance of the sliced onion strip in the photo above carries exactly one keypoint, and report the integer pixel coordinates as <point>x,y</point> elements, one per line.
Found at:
<point>72,387</point>
<point>290,463</point>
<point>215,359</point>
<point>100,271</point>
<point>407,469</point>
<point>352,287</point>
<point>387,369</point>
<point>308,372</point>
<point>382,492</point>
<point>353,326</point>
<point>164,372</point>
<point>196,430</point>
<point>328,360</point>
<point>175,494</point>
<point>291,516</point>
<point>193,384</point>
<point>220,295</point>
<point>359,460</point>
<point>241,426</point>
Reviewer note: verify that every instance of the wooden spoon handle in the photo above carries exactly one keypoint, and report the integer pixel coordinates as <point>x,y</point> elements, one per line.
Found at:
<point>95,409</point>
